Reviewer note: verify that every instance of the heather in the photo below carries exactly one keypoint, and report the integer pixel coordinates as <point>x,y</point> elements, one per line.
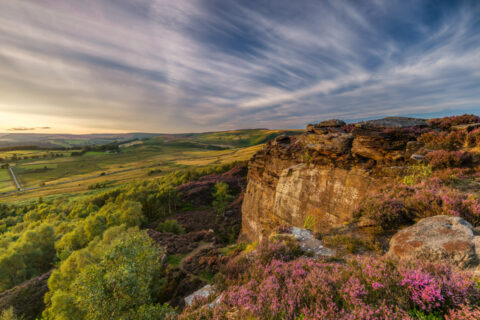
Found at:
<point>359,288</point>
<point>448,159</point>
<point>400,204</point>
<point>446,123</point>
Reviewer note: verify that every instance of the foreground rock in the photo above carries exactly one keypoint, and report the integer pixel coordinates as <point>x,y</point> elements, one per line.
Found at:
<point>440,238</point>
<point>309,243</point>
<point>204,292</point>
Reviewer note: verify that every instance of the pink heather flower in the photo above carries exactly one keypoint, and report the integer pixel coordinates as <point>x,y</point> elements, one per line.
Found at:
<point>376,285</point>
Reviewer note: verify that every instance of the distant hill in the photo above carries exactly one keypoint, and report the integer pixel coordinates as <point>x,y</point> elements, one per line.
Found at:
<point>66,140</point>
<point>233,138</point>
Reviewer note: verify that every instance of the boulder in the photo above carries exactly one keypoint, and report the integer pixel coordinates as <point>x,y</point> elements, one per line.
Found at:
<point>204,292</point>
<point>439,238</point>
<point>417,157</point>
<point>309,243</point>
<point>466,127</point>
<point>281,140</point>
<point>330,123</point>
<point>333,123</point>
<point>330,143</point>
<point>378,145</point>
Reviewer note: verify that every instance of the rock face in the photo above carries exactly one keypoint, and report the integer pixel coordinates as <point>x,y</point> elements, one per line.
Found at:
<point>440,238</point>
<point>322,173</point>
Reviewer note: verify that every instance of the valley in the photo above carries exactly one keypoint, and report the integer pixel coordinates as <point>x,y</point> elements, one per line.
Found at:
<point>51,173</point>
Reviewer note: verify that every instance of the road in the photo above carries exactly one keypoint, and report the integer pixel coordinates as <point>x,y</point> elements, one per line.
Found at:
<point>15,179</point>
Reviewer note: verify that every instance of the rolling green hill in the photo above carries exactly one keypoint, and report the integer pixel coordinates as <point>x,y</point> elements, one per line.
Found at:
<point>47,173</point>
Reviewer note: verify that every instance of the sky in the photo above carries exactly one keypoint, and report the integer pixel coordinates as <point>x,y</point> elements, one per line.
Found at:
<point>188,66</point>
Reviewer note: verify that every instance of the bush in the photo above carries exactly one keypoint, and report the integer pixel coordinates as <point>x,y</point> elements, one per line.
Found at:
<point>473,138</point>
<point>116,278</point>
<point>221,196</point>
<point>447,122</point>
<point>442,140</point>
<point>386,210</point>
<point>417,173</point>
<point>171,226</point>
<point>363,288</point>
<point>398,205</point>
<point>448,159</point>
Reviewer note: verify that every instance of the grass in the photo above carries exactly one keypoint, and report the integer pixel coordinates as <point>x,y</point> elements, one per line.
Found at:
<point>174,260</point>
<point>6,183</point>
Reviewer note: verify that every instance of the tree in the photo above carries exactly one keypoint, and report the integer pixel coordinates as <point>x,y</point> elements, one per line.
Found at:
<point>221,197</point>
<point>119,287</point>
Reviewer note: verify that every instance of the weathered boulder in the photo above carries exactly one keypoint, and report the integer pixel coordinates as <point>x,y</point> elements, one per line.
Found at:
<point>466,127</point>
<point>333,123</point>
<point>203,292</point>
<point>308,243</point>
<point>330,143</point>
<point>438,238</point>
<point>384,139</point>
<point>281,140</point>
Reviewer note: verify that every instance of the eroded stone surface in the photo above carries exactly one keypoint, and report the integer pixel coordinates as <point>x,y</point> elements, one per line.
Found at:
<point>204,292</point>
<point>466,127</point>
<point>330,143</point>
<point>333,123</point>
<point>309,243</point>
<point>440,238</point>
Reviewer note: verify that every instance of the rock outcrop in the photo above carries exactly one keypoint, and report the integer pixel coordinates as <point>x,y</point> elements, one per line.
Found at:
<point>440,238</point>
<point>323,173</point>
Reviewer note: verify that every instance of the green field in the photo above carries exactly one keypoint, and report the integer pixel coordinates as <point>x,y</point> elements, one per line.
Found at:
<point>6,183</point>
<point>145,159</point>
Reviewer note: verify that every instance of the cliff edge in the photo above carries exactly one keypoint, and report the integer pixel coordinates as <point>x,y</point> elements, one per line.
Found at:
<point>319,176</point>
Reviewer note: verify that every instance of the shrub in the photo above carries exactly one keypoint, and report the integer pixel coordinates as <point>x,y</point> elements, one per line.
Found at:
<point>309,222</point>
<point>363,288</point>
<point>465,312</point>
<point>172,226</point>
<point>442,140</point>
<point>116,278</point>
<point>398,205</point>
<point>417,173</point>
<point>473,138</point>
<point>447,122</point>
<point>221,196</point>
<point>448,159</point>
<point>385,210</point>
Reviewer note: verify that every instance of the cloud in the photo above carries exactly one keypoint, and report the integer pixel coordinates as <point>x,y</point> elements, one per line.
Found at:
<point>28,129</point>
<point>176,66</point>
